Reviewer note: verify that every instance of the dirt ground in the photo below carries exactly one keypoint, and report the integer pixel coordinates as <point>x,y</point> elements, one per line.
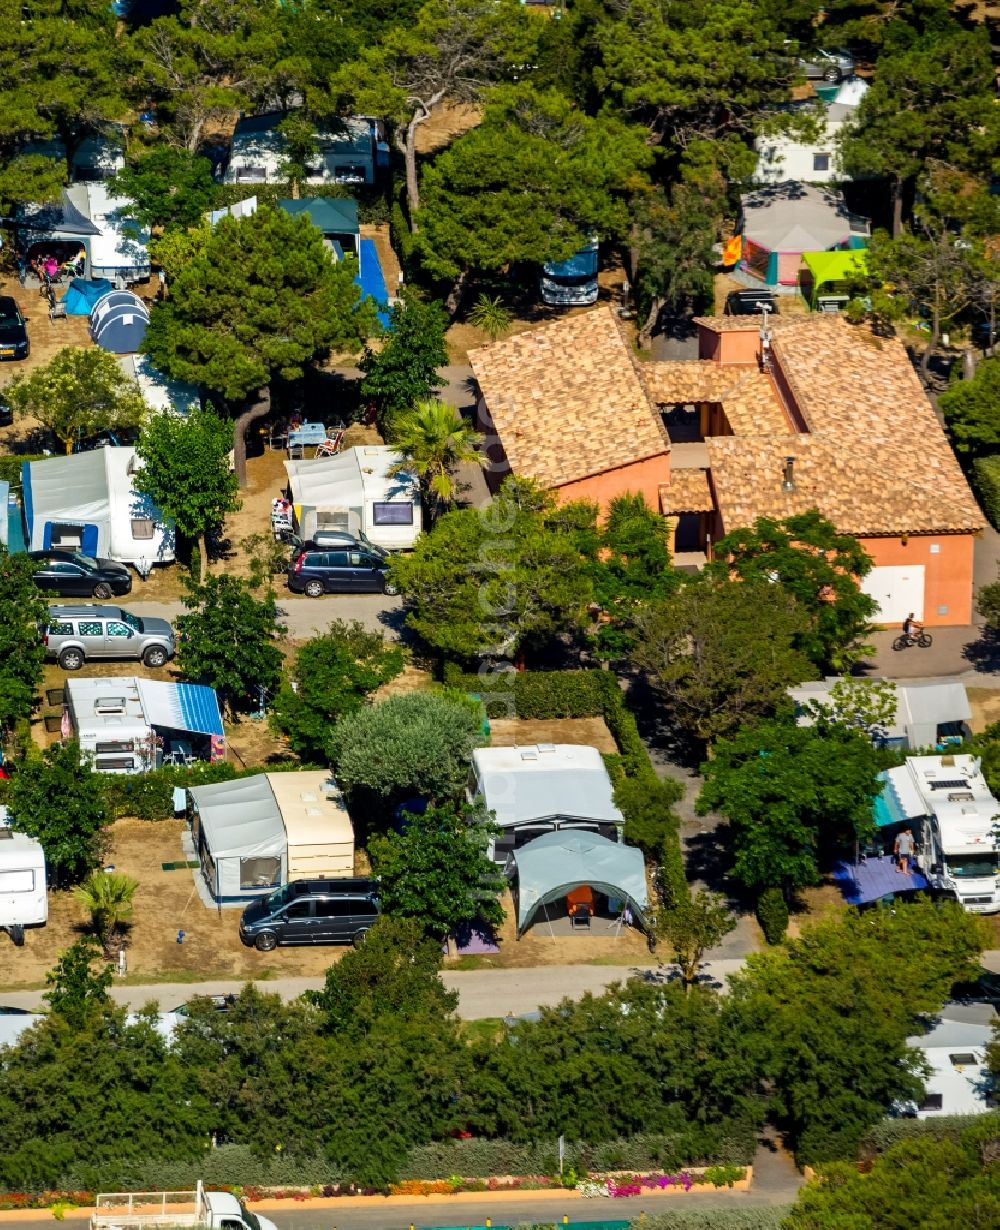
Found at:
<point>522,732</point>
<point>985,706</point>
<point>446,123</point>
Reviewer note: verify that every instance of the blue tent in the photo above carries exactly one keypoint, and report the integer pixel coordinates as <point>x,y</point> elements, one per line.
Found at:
<point>81,295</point>
<point>118,322</point>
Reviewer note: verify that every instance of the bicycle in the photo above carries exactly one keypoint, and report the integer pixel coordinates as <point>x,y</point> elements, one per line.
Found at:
<point>923,640</point>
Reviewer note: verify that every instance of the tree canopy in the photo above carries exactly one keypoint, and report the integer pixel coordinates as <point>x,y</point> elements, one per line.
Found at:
<point>788,791</point>
<point>22,650</point>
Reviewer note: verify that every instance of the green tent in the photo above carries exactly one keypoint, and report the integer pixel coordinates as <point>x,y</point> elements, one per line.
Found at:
<point>833,267</point>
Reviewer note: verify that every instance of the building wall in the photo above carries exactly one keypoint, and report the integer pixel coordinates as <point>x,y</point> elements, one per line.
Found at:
<point>642,477</point>
<point>780,158</point>
<point>947,563</point>
<point>729,346</point>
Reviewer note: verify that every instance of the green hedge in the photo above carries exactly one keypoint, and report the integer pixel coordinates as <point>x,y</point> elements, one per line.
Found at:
<point>769,1217</point>
<point>986,472</point>
<point>232,1165</point>
<point>10,468</point>
<point>149,796</point>
<point>373,202</point>
<point>943,1127</point>
<point>534,694</point>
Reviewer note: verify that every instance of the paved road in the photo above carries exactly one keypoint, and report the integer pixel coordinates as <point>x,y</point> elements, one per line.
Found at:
<point>482,993</point>
<point>307,616</point>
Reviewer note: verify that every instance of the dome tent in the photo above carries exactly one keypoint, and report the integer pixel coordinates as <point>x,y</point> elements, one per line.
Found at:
<point>118,322</point>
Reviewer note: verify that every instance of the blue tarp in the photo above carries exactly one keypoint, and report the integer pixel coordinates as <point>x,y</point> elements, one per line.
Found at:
<point>81,295</point>
<point>180,706</point>
<point>874,879</point>
<point>371,281</point>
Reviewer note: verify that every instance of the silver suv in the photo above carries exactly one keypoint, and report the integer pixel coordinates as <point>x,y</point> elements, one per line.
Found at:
<point>76,633</point>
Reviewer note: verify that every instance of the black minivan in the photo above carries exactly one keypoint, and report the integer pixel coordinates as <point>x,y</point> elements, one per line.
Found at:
<point>311,912</point>
<point>344,571</point>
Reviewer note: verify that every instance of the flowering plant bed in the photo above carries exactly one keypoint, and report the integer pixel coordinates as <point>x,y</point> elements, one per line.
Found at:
<point>684,1180</point>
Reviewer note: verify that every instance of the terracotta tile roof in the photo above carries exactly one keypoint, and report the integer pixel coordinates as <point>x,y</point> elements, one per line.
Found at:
<point>895,489</point>
<point>752,408</point>
<point>745,394</point>
<point>686,380</point>
<point>566,400</point>
<point>744,324</point>
<point>688,491</point>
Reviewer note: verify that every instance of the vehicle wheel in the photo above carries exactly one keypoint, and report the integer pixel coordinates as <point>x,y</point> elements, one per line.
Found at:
<point>313,589</point>
<point>901,642</point>
<point>71,659</point>
<point>925,640</point>
<point>267,941</point>
<point>832,75</point>
<point>155,655</point>
<point>390,589</point>
<point>102,590</point>
<point>360,937</point>
<point>16,933</point>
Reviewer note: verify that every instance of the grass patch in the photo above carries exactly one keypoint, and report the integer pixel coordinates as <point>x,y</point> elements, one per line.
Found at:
<point>486,1029</point>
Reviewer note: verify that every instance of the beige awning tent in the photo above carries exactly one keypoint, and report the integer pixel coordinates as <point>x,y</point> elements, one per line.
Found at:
<point>318,829</point>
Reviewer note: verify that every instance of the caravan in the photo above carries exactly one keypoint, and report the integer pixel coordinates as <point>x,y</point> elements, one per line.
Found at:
<point>23,898</point>
<point>359,492</point>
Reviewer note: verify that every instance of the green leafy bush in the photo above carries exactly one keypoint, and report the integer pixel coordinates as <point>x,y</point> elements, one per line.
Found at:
<point>373,205</point>
<point>943,1127</point>
<point>10,468</point>
<point>533,694</point>
<point>150,796</point>
<point>772,914</point>
<point>986,472</point>
<point>765,1218</point>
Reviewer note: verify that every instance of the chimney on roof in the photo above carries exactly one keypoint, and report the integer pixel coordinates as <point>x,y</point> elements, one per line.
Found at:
<point>788,475</point>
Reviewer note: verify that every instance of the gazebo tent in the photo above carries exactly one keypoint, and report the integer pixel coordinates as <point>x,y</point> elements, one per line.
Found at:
<point>239,838</point>
<point>782,221</point>
<point>554,864</point>
<point>830,268</point>
<point>118,322</point>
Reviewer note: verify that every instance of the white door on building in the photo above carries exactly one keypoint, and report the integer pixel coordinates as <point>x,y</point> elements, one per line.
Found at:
<point>898,590</point>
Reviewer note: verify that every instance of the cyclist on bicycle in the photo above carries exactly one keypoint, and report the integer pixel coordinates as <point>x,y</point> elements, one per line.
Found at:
<point>911,628</point>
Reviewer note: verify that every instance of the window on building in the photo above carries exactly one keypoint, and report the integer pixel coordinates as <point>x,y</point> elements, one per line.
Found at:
<point>821,162</point>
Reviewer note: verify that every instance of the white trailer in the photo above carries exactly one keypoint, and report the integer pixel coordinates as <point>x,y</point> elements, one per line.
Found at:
<point>23,898</point>
<point>146,1210</point>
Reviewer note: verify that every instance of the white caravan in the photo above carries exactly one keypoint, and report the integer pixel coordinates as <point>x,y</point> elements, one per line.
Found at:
<point>23,898</point>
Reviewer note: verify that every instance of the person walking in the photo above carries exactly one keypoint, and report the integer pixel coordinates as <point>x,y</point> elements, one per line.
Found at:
<point>904,850</point>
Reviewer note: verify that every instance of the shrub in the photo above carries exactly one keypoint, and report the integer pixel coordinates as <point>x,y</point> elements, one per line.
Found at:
<point>10,469</point>
<point>772,914</point>
<point>765,1218</point>
<point>533,694</point>
<point>944,1127</point>
<point>986,472</point>
<point>150,796</point>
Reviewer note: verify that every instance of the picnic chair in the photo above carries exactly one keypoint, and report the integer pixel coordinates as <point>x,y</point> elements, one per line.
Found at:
<point>331,445</point>
<point>57,308</point>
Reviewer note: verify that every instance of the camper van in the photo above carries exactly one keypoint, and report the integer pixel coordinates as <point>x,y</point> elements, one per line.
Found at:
<point>572,282</point>
<point>23,899</point>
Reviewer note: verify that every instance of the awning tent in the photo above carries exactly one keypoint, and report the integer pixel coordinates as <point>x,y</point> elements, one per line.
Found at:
<point>73,490</point>
<point>830,268</point>
<point>239,837</point>
<point>118,322</point>
<point>181,706</point>
<point>552,865</point>
<point>54,220</point>
<point>81,295</point>
<point>159,391</point>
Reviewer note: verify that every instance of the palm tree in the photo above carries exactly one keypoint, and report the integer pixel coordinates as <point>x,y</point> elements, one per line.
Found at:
<point>491,316</point>
<point>434,440</point>
<point>108,895</point>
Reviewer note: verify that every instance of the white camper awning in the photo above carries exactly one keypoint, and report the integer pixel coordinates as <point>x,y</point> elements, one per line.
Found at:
<point>240,818</point>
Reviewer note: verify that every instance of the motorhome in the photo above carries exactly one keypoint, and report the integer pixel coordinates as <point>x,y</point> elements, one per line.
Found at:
<point>23,897</point>
<point>956,824</point>
<point>572,282</point>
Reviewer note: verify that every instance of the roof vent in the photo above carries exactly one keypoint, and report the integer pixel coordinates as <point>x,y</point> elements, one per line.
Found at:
<point>109,704</point>
<point>307,797</point>
<point>788,475</point>
<point>547,748</point>
<point>529,753</point>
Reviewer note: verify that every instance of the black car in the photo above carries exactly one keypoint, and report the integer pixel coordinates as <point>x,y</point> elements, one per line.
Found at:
<point>749,302</point>
<point>6,413</point>
<point>342,571</point>
<point>72,575</point>
<point>14,342</point>
<point>311,912</point>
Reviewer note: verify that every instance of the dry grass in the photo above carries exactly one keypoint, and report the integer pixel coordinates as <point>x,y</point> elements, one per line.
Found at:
<point>522,732</point>
<point>447,122</point>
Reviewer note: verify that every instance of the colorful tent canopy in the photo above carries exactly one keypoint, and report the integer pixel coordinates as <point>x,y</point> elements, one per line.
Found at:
<point>827,267</point>
<point>81,295</point>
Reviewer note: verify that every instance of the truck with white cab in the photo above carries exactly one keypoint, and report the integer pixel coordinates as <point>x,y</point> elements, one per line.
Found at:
<point>145,1210</point>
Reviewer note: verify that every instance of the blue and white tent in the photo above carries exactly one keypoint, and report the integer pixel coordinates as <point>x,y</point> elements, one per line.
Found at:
<point>118,322</point>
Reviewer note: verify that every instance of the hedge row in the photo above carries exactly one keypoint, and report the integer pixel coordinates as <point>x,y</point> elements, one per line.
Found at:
<point>10,468</point>
<point>238,1165</point>
<point>943,1127</point>
<point>373,203</point>
<point>150,796</point>
<point>986,472</point>
<point>769,1217</point>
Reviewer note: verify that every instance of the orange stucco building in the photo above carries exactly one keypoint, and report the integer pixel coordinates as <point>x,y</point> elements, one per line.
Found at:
<point>775,417</point>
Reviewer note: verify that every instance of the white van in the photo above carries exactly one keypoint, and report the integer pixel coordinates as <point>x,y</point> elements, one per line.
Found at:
<point>23,898</point>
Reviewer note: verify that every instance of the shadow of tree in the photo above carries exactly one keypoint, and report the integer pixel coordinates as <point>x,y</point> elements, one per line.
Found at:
<point>983,653</point>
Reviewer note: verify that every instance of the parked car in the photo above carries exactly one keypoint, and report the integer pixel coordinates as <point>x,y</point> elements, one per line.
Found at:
<point>328,539</point>
<point>14,342</point>
<point>315,573</point>
<point>749,302</point>
<point>76,633</point>
<point>311,912</point>
<point>6,413</point>
<point>218,1003</point>
<point>72,575</point>
<point>832,66</point>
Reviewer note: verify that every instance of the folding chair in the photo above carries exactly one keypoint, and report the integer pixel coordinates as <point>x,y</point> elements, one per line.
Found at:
<point>331,445</point>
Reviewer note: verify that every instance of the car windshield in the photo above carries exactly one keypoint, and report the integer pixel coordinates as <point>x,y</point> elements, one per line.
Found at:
<point>133,621</point>
<point>280,897</point>
<point>973,866</point>
<point>86,561</point>
<point>250,1218</point>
